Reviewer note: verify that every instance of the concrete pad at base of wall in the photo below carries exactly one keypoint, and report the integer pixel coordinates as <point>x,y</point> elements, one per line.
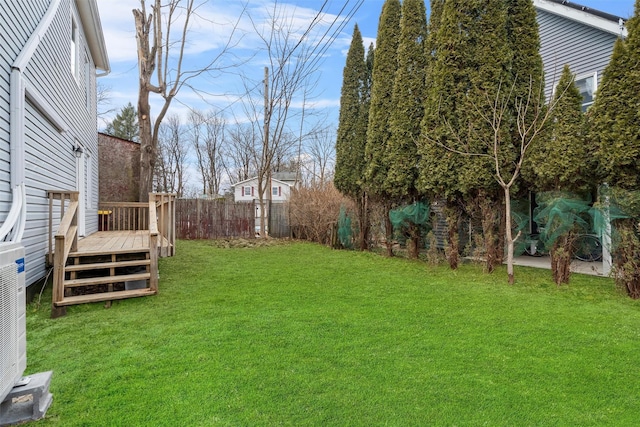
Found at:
<point>27,402</point>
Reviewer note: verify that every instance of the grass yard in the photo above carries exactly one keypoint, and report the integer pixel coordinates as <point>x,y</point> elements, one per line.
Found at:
<point>299,334</point>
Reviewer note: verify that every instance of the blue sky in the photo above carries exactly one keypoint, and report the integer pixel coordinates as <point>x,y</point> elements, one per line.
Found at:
<point>118,26</point>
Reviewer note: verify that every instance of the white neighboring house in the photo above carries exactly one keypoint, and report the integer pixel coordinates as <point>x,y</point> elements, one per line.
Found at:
<point>51,54</point>
<point>280,190</point>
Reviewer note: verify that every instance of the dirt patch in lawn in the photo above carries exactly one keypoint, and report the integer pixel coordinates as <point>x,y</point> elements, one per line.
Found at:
<point>248,243</point>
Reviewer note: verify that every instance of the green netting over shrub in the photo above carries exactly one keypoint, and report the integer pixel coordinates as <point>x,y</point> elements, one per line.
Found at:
<point>403,217</point>
<point>560,212</point>
<point>416,213</point>
<point>613,204</point>
<point>345,232</point>
<point>520,223</point>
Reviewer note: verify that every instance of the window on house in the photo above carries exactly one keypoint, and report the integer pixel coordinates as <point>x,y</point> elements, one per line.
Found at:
<point>275,191</point>
<point>74,47</point>
<point>247,191</point>
<point>587,85</point>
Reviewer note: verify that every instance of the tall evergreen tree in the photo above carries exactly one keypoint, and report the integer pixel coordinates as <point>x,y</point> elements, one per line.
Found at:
<point>125,124</point>
<point>561,161</point>
<point>407,111</point>
<point>615,112</point>
<point>563,170</point>
<point>385,64</point>
<point>351,135</point>
<point>352,131</point>
<point>480,86</point>
<point>614,128</point>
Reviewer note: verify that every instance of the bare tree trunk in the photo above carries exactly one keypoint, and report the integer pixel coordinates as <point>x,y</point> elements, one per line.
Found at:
<point>363,217</point>
<point>453,224</point>
<point>561,258</point>
<point>490,226</point>
<point>388,228</point>
<point>413,244</point>
<point>510,240</point>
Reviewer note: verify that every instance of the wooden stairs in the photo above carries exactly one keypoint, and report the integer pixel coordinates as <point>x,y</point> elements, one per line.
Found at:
<point>119,261</point>
<point>106,276</point>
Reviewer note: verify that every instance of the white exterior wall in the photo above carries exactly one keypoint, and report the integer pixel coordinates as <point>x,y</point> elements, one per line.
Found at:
<point>239,196</point>
<point>50,163</point>
<point>586,49</point>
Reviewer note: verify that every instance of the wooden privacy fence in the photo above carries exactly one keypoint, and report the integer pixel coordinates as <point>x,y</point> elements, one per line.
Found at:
<point>279,225</point>
<point>214,219</point>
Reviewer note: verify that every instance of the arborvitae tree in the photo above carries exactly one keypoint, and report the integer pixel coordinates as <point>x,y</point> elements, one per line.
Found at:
<point>614,128</point>
<point>469,66</point>
<point>385,65</point>
<point>615,112</point>
<point>480,90</point>
<point>561,165</point>
<point>560,161</point>
<point>125,124</point>
<point>438,167</point>
<point>407,111</point>
<point>352,128</point>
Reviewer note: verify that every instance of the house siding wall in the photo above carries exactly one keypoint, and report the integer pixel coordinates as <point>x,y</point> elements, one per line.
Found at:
<point>564,41</point>
<point>50,163</point>
<point>239,196</point>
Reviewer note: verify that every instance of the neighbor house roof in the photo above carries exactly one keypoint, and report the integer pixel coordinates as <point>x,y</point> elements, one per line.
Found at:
<point>255,178</point>
<point>595,18</point>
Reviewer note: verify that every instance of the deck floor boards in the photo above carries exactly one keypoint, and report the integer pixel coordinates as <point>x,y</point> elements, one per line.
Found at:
<point>104,241</point>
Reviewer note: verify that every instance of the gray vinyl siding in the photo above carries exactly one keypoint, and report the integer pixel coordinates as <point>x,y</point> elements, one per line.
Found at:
<point>50,163</point>
<point>564,41</point>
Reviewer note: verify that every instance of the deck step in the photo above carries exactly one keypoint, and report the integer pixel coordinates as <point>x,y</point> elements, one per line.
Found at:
<point>105,296</point>
<point>106,279</point>
<point>108,252</point>
<point>99,266</point>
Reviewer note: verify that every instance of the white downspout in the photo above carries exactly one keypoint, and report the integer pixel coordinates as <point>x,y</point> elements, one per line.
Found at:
<point>17,126</point>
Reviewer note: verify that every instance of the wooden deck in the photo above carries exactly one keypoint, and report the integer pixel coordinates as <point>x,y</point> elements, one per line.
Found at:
<point>109,265</point>
<point>108,242</point>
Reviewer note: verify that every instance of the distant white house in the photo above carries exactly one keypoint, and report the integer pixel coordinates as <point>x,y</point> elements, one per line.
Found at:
<point>52,52</point>
<point>280,190</point>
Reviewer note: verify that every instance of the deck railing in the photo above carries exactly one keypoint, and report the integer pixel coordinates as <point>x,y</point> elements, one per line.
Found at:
<point>66,238</point>
<point>134,216</point>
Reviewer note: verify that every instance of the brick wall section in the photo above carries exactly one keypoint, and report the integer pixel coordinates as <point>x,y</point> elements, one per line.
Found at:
<point>119,167</point>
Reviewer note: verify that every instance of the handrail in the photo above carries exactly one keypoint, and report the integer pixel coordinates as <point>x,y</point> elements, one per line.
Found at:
<point>165,207</point>
<point>66,239</point>
<point>153,218</point>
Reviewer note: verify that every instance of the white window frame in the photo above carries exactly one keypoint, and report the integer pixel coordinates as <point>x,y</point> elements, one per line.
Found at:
<point>594,74</point>
<point>246,191</point>
<point>75,47</point>
<point>274,191</point>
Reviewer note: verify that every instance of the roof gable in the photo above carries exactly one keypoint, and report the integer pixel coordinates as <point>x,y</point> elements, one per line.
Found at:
<point>88,12</point>
<point>585,15</point>
<point>255,178</point>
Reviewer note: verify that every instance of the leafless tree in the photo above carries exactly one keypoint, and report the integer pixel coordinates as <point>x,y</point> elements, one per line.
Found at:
<point>319,158</point>
<point>103,99</point>
<point>208,134</point>
<point>171,164</point>
<point>241,152</point>
<point>294,54</point>
<point>160,68</point>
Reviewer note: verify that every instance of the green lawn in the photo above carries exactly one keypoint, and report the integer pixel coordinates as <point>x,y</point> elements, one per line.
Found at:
<point>299,334</point>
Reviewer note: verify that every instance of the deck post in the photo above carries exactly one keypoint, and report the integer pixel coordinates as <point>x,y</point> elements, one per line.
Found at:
<point>153,245</point>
